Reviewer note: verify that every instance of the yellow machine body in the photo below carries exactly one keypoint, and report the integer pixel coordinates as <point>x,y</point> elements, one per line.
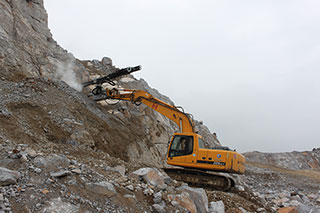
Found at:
<point>195,155</point>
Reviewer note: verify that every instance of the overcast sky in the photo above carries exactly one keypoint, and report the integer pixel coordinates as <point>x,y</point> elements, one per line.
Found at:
<point>248,69</point>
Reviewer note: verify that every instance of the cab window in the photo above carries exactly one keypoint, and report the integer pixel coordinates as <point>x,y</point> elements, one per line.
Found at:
<point>201,144</point>
<point>181,145</point>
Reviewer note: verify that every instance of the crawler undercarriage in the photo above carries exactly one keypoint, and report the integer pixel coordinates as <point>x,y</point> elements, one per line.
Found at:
<point>201,178</point>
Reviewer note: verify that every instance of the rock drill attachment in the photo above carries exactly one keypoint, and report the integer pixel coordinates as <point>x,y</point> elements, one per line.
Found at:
<point>109,78</point>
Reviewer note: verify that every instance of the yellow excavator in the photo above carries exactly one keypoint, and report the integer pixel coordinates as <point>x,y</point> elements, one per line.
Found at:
<point>186,149</point>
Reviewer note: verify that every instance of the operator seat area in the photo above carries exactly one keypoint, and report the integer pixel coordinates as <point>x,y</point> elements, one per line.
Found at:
<point>181,145</point>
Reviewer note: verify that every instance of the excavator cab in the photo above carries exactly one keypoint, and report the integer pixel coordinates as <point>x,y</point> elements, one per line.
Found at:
<point>182,149</point>
<point>181,145</point>
<point>188,150</point>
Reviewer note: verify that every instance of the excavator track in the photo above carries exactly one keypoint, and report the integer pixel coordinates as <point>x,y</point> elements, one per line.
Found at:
<point>201,178</point>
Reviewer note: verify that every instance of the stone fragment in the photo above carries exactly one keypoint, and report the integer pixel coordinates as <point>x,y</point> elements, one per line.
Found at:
<point>261,210</point>
<point>158,208</point>
<point>77,171</point>
<point>294,203</point>
<point>130,187</point>
<point>129,196</point>
<point>31,153</point>
<point>106,61</point>
<point>148,192</point>
<point>57,205</point>
<point>199,197</point>
<point>240,188</point>
<point>52,160</point>
<point>312,196</point>
<point>104,188</point>
<point>283,195</point>
<point>157,197</point>
<point>183,201</point>
<point>45,191</point>
<point>37,170</point>
<point>216,207</point>
<point>294,193</point>
<point>24,158</point>
<point>120,169</point>
<point>8,176</point>
<point>60,174</point>
<point>151,176</point>
<point>297,198</point>
<point>14,154</point>
<point>174,203</point>
<point>72,182</point>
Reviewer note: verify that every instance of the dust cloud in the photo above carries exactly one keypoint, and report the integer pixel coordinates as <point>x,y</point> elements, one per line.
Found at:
<point>65,72</point>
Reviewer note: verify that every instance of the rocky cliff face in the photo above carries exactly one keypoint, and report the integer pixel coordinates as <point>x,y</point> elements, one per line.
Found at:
<point>62,152</point>
<point>289,160</point>
<point>26,45</point>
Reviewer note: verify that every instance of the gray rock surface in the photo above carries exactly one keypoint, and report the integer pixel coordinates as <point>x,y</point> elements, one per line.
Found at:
<point>157,197</point>
<point>56,205</point>
<point>183,201</point>
<point>26,45</point>
<point>60,174</point>
<point>52,160</point>
<point>158,208</point>
<point>120,169</point>
<point>103,188</point>
<point>151,176</point>
<point>305,208</point>
<point>288,160</point>
<point>8,176</point>
<point>216,207</point>
<point>198,196</point>
<point>106,61</point>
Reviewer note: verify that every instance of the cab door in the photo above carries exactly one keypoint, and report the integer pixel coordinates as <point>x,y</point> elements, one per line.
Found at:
<point>191,151</point>
<point>181,151</point>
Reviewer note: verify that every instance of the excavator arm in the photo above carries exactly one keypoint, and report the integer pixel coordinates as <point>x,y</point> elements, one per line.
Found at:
<point>183,120</point>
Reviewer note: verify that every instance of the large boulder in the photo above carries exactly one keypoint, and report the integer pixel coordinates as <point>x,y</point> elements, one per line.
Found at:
<point>57,205</point>
<point>103,188</point>
<point>199,197</point>
<point>52,160</point>
<point>152,176</point>
<point>8,176</point>
<point>183,200</point>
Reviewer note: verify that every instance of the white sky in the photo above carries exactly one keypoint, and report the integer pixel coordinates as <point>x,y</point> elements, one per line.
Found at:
<point>248,69</point>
